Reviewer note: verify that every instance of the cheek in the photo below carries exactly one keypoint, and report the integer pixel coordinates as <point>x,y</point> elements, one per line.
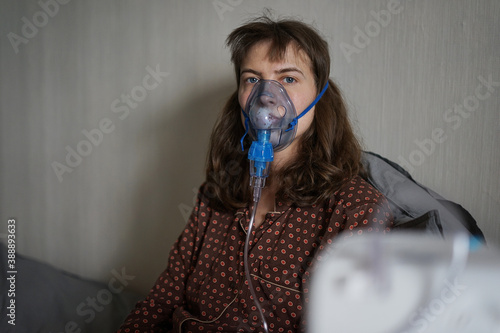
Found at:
<point>305,122</point>
<point>242,98</point>
<point>301,101</point>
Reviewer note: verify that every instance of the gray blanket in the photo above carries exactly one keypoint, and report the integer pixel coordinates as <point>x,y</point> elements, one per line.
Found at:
<point>48,300</point>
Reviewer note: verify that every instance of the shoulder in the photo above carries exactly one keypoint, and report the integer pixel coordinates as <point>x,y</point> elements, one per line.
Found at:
<point>356,192</point>
<point>204,206</point>
<point>361,205</point>
<point>203,197</point>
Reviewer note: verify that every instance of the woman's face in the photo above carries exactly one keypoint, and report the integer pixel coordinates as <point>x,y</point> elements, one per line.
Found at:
<point>293,72</point>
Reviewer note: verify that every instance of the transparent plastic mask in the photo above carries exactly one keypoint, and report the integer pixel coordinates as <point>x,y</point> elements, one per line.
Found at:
<point>269,108</point>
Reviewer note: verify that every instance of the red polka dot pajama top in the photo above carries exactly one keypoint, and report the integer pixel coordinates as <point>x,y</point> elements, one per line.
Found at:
<point>204,289</point>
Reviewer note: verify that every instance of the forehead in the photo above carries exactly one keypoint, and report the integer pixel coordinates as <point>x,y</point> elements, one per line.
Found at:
<point>264,52</point>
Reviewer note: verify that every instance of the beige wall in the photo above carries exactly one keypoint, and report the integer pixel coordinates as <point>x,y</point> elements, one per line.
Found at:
<point>409,77</point>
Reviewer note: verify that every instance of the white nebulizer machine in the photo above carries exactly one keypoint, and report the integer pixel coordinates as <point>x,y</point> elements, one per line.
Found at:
<point>271,119</point>
<point>406,283</point>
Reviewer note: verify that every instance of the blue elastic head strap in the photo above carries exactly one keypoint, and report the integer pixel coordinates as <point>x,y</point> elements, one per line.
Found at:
<point>246,129</point>
<point>294,121</point>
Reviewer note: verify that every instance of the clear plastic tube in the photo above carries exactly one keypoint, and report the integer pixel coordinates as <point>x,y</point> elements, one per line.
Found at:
<point>256,199</point>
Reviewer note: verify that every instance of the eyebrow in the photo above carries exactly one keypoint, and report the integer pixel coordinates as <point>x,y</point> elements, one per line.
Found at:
<point>289,69</point>
<point>279,71</point>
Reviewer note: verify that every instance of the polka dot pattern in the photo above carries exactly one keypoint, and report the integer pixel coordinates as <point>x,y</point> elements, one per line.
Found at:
<point>204,289</point>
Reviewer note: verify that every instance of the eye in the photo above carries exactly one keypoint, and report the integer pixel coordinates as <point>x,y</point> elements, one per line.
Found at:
<point>252,80</point>
<point>289,79</point>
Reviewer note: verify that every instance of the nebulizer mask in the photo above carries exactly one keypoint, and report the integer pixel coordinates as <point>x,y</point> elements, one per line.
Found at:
<point>271,120</point>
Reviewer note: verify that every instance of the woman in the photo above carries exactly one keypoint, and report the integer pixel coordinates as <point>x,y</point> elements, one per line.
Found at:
<point>313,193</point>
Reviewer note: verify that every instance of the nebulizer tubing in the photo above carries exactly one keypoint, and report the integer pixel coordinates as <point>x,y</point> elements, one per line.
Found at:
<point>256,199</point>
<point>260,155</point>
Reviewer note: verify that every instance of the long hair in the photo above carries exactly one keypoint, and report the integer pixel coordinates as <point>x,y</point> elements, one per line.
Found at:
<point>328,152</point>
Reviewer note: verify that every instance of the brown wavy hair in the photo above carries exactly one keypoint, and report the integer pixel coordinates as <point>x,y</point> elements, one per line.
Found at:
<point>328,153</point>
